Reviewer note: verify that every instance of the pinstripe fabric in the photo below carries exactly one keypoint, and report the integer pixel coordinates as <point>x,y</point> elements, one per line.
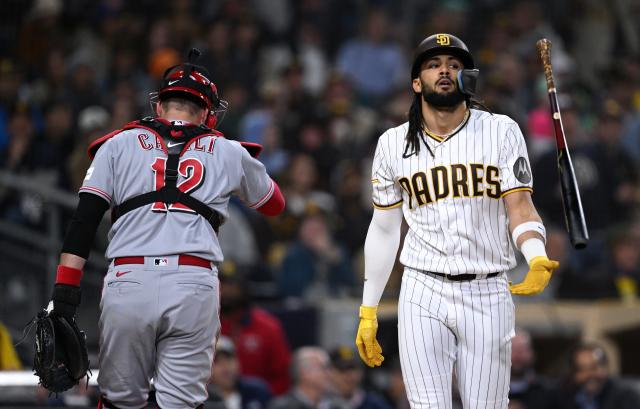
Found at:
<point>463,326</point>
<point>451,197</point>
<point>461,232</point>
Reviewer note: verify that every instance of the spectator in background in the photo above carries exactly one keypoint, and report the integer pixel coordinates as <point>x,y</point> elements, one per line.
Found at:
<point>313,140</point>
<point>310,389</point>
<point>507,78</point>
<point>625,263</point>
<point>238,240</point>
<point>92,124</point>
<point>355,215</point>
<point>375,65</point>
<point>574,282</point>
<point>540,130</point>
<point>11,83</point>
<point>238,392</point>
<point>274,158</point>
<point>299,104</point>
<point>312,56</point>
<point>301,188</point>
<point>590,384</point>
<point>261,344</point>
<point>51,85</point>
<point>346,379</point>
<point>247,37</point>
<point>316,266</point>
<point>82,89</point>
<point>50,150</point>
<point>606,174</point>
<point>548,197</point>
<point>303,196</point>
<point>623,176</point>
<point>39,157</point>
<point>351,126</point>
<point>9,360</point>
<point>215,56</point>
<point>526,387</point>
<point>21,132</point>
<point>41,30</point>
<point>239,101</point>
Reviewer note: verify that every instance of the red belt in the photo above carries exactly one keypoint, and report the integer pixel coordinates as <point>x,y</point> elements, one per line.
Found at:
<point>183,260</point>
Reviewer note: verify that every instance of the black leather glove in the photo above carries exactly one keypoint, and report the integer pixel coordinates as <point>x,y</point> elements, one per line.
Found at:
<point>66,299</point>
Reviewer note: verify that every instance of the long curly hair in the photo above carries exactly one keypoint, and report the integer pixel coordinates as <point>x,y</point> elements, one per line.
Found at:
<point>415,126</point>
<point>414,116</point>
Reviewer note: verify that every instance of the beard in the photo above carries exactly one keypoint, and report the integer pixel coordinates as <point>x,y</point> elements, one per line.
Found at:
<point>446,100</point>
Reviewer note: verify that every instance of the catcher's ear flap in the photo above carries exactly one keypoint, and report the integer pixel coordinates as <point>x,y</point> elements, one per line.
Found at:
<point>254,149</point>
<point>72,342</point>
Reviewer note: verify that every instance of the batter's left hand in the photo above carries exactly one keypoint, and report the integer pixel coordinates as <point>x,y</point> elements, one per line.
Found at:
<point>368,347</point>
<point>537,278</point>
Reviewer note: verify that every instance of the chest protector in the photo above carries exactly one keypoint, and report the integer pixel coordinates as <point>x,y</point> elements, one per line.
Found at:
<point>175,138</point>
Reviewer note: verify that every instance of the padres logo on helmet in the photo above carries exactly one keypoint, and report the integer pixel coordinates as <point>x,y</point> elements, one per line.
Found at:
<point>443,39</point>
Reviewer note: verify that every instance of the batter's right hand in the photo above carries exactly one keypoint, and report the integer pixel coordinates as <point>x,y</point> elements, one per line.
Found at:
<point>537,279</point>
<point>368,346</point>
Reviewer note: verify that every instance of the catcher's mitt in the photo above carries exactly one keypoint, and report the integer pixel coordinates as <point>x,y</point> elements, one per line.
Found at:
<point>61,358</point>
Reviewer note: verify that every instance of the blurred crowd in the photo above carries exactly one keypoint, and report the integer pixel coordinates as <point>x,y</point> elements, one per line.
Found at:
<point>336,379</point>
<point>316,82</point>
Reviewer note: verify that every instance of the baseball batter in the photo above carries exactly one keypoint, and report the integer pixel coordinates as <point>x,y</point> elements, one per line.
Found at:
<point>462,181</point>
<point>168,181</point>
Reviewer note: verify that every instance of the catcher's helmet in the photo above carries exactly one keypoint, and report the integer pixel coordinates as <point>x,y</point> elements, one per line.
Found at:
<point>441,44</point>
<point>191,81</point>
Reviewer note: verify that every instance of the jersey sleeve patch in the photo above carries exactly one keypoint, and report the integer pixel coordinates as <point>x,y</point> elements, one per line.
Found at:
<point>521,170</point>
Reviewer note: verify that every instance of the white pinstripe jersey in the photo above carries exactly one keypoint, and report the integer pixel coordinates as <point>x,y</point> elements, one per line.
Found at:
<point>451,197</point>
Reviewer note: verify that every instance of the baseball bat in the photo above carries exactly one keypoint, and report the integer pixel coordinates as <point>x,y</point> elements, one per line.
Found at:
<point>573,212</point>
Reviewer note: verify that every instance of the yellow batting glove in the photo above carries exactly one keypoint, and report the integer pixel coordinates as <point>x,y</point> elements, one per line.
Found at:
<point>368,346</point>
<point>540,270</point>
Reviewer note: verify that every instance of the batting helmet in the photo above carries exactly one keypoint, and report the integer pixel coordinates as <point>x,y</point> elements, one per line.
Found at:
<point>441,44</point>
<point>191,81</point>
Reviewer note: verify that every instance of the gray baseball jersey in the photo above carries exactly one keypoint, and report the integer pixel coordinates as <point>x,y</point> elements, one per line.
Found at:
<point>451,193</point>
<point>211,169</point>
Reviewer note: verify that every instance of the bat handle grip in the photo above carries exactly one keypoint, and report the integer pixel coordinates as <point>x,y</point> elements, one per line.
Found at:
<point>544,49</point>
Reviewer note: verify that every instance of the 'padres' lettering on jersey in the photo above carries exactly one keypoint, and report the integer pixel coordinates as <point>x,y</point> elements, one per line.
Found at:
<point>452,200</point>
<point>211,169</point>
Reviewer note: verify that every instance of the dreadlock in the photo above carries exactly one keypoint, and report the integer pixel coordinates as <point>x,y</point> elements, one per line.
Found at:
<point>415,126</point>
<point>477,104</point>
<point>415,121</point>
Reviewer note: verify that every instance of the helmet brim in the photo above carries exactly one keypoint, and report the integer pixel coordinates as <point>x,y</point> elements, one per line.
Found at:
<point>464,56</point>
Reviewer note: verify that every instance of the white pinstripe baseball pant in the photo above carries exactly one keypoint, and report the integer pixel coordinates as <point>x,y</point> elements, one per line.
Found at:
<point>444,324</point>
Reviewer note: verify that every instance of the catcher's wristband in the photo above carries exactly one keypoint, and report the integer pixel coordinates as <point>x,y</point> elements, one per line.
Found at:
<point>68,275</point>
